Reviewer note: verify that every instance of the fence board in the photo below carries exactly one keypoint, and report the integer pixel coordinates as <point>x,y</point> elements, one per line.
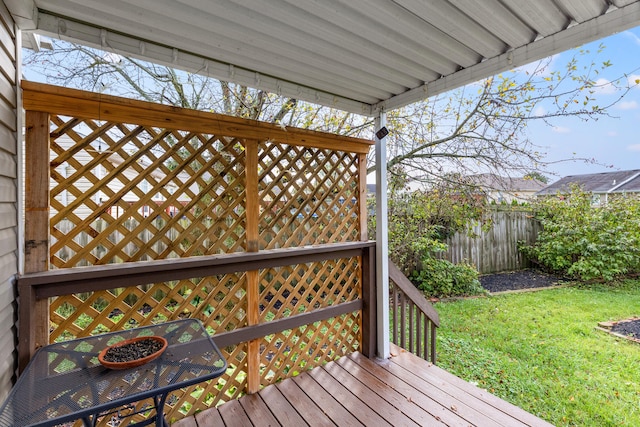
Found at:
<point>496,249</point>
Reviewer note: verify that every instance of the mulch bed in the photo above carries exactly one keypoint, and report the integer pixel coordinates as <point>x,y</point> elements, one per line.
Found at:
<point>628,328</point>
<point>519,280</point>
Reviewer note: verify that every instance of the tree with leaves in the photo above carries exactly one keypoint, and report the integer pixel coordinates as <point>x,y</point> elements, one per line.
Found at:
<point>440,141</point>
<point>480,128</point>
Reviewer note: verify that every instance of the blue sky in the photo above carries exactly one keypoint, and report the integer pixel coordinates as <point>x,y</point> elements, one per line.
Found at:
<point>614,143</point>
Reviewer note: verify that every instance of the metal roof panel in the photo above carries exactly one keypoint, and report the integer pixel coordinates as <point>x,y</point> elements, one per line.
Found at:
<point>355,55</point>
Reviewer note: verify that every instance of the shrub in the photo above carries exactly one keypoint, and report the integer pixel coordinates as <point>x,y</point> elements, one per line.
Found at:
<point>441,278</point>
<point>588,242</point>
<point>418,223</point>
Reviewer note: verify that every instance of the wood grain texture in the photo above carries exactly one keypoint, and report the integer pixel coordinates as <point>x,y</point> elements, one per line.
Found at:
<point>252,228</point>
<point>71,102</point>
<point>34,332</point>
<point>37,192</point>
<point>355,391</point>
<point>495,249</point>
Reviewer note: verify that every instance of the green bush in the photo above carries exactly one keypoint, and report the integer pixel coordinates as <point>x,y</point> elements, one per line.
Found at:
<point>418,223</point>
<point>587,242</point>
<point>441,278</point>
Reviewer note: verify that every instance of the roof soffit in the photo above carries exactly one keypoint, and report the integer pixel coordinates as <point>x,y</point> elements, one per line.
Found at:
<point>359,56</point>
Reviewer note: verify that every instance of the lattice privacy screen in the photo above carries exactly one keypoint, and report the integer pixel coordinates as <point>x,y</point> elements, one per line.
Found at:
<point>220,303</point>
<point>122,192</point>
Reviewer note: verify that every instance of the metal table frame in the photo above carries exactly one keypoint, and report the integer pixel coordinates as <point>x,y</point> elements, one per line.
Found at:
<point>65,381</point>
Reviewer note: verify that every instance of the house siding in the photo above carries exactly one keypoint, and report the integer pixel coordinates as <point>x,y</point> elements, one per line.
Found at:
<point>8,201</point>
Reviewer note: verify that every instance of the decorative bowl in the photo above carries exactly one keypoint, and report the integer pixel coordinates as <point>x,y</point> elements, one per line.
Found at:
<point>132,352</point>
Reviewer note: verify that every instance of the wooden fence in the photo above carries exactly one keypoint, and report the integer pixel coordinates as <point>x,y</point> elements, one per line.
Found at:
<point>139,213</point>
<point>495,249</point>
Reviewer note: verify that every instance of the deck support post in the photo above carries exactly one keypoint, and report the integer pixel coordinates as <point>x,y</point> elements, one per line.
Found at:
<point>253,277</point>
<point>33,327</point>
<point>382,240</point>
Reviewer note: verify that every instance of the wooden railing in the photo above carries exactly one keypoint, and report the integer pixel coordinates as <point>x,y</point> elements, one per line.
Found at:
<point>303,337</point>
<point>413,318</point>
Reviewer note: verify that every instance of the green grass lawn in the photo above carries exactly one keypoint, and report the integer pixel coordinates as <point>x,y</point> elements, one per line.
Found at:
<point>540,351</point>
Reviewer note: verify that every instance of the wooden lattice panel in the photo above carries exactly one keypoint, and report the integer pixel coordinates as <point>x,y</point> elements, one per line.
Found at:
<point>229,386</point>
<point>220,304</point>
<point>124,192</point>
<point>292,290</point>
<point>288,353</point>
<point>128,193</point>
<point>308,196</point>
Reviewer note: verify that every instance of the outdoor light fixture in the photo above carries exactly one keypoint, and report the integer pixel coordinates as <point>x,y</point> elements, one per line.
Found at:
<point>382,132</point>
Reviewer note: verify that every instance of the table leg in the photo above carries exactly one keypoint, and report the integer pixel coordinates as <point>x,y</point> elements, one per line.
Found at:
<point>160,419</point>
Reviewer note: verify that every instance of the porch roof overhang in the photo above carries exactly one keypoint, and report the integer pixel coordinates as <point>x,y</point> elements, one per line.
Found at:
<point>362,56</point>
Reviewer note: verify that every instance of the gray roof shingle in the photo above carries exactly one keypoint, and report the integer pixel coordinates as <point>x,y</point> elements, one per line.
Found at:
<point>606,182</point>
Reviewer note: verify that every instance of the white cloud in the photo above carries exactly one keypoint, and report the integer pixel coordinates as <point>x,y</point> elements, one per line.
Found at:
<point>632,36</point>
<point>633,147</point>
<point>633,79</point>
<point>560,129</point>
<point>539,111</point>
<point>113,58</point>
<point>604,87</point>
<point>627,105</point>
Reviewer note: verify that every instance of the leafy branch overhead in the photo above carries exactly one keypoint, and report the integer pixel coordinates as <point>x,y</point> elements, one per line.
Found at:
<point>481,128</point>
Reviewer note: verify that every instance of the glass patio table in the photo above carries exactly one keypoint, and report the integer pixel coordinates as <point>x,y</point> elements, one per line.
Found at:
<point>65,381</point>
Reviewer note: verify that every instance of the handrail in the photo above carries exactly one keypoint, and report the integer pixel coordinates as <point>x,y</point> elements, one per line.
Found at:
<point>99,277</point>
<point>414,320</point>
<point>36,287</point>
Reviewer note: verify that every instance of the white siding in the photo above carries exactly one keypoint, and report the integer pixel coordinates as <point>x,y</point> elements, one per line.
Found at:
<point>8,202</point>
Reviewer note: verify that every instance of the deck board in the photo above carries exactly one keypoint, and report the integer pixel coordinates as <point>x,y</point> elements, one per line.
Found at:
<point>374,401</point>
<point>233,414</point>
<point>455,401</point>
<point>281,407</point>
<point>334,409</point>
<point>497,410</point>
<point>413,397</point>
<point>388,392</point>
<point>257,411</point>
<point>355,391</point>
<point>304,405</point>
<point>350,401</point>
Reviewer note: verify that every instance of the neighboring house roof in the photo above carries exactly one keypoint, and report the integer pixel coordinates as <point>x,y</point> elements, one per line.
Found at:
<point>489,181</point>
<point>606,182</point>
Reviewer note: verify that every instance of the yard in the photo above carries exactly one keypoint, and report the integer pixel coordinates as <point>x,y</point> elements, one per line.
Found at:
<point>540,351</point>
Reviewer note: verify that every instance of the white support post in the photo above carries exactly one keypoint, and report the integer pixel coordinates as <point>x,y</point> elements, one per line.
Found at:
<point>382,241</point>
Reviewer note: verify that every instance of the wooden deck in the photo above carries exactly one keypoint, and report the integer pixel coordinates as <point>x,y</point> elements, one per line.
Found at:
<point>356,391</point>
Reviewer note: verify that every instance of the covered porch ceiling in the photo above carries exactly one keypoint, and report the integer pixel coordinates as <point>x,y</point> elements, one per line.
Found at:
<point>362,56</point>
